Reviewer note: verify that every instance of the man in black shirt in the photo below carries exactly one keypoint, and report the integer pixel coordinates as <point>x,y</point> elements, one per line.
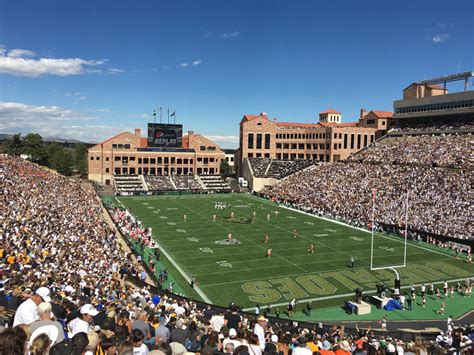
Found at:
<point>233,319</point>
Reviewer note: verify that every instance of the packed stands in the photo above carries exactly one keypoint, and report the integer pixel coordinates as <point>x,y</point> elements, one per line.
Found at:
<point>159,183</point>
<point>259,166</point>
<point>78,303</point>
<point>215,183</point>
<point>439,197</point>
<point>185,182</point>
<point>128,184</point>
<point>278,169</point>
<point>441,150</point>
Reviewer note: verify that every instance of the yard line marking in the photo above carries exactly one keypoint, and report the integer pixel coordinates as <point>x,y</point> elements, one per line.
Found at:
<point>347,225</point>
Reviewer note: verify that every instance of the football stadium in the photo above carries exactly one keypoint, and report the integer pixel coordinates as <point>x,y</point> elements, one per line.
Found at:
<point>318,236</point>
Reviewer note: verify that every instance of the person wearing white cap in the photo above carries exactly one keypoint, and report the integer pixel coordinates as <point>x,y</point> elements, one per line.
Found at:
<point>83,322</point>
<point>28,311</point>
<point>259,330</point>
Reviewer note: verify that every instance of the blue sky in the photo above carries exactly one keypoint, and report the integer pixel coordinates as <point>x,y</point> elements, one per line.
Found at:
<point>89,69</point>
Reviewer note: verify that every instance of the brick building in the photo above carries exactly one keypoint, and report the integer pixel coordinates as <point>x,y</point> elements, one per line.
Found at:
<point>327,140</point>
<point>128,154</point>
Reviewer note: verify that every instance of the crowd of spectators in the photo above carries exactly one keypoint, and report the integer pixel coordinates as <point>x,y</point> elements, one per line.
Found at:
<point>259,166</point>
<point>185,182</point>
<point>159,183</point>
<point>278,169</point>
<point>61,290</point>
<point>431,124</point>
<point>439,199</point>
<point>445,151</point>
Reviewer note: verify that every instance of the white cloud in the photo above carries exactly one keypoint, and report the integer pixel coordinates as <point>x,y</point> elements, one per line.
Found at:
<point>223,140</point>
<point>115,71</point>
<point>197,62</point>
<point>21,53</point>
<point>52,121</point>
<point>443,37</point>
<point>20,62</point>
<point>234,34</point>
<point>183,65</point>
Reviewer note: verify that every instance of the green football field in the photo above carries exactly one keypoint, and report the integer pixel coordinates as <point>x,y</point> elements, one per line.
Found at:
<point>241,273</point>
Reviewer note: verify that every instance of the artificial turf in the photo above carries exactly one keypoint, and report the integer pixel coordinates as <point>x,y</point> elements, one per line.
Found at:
<point>242,274</point>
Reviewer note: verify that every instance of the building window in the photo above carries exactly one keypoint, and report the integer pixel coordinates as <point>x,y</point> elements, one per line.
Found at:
<point>127,146</point>
<point>167,160</point>
<point>107,159</point>
<point>92,158</point>
<point>345,140</point>
<point>106,170</point>
<point>118,158</point>
<point>250,141</point>
<point>139,161</point>
<point>365,140</point>
<point>153,161</point>
<point>352,141</point>
<point>358,141</point>
<point>267,141</point>
<point>259,141</point>
<point>250,155</point>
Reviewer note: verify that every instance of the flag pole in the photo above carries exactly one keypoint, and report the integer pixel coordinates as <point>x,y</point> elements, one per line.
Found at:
<point>161,115</point>
<point>168,115</point>
<point>373,229</point>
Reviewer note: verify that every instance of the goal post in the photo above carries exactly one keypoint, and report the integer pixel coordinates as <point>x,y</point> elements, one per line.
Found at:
<point>389,267</point>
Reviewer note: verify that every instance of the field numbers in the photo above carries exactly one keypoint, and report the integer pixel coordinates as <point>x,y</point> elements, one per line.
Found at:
<point>192,239</point>
<point>330,230</point>
<point>163,217</point>
<point>357,239</point>
<point>309,223</point>
<point>387,249</point>
<point>171,223</point>
<point>181,230</point>
<point>321,235</point>
<point>207,250</point>
<point>224,263</point>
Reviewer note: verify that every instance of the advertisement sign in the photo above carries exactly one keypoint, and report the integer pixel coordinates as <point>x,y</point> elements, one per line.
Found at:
<point>165,135</point>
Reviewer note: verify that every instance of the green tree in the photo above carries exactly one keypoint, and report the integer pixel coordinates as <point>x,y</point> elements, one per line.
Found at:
<point>80,158</point>
<point>14,145</point>
<point>226,169</point>
<point>34,146</point>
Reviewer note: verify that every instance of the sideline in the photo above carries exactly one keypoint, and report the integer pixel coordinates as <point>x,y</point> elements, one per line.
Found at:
<point>180,270</point>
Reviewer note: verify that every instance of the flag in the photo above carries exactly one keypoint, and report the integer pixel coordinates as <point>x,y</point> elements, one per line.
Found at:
<point>173,114</point>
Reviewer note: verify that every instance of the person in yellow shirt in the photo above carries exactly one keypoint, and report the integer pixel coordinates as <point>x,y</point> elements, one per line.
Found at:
<point>311,344</point>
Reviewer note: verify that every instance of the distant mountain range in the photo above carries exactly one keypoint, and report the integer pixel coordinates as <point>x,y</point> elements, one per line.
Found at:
<point>4,136</point>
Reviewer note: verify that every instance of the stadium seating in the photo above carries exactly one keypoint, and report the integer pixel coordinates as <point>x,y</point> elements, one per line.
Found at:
<point>278,169</point>
<point>452,151</point>
<point>128,184</point>
<point>159,183</point>
<point>439,195</point>
<point>185,182</point>
<point>214,183</point>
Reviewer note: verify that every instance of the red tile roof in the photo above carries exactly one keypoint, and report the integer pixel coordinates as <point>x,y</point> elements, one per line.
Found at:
<point>383,114</point>
<point>253,117</point>
<point>434,86</point>
<point>330,110</point>
<point>335,124</point>
<point>143,142</point>
<point>296,124</point>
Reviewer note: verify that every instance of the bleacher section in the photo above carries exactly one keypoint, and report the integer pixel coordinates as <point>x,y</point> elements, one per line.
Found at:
<point>277,169</point>
<point>451,151</point>
<point>259,166</point>
<point>185,182</point>
<point>280,169</point>
<point>159,183</point>
<point>215,183</point>
<point>128,184</point>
